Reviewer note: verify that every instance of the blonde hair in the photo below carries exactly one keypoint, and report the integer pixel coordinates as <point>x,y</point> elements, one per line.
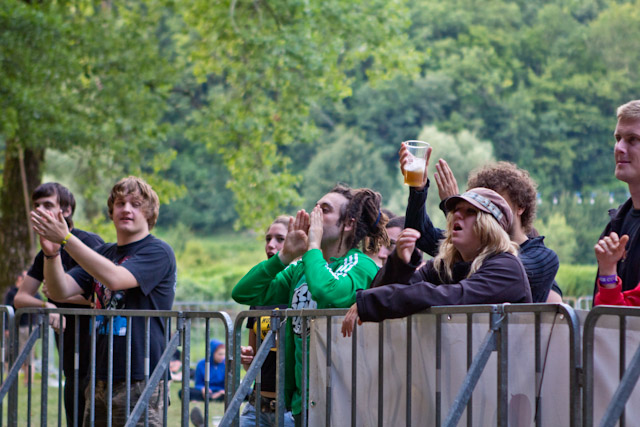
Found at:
<point>493,239</point>
<point>629,111</point>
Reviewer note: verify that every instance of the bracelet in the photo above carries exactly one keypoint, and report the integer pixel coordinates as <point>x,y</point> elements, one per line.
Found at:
<point>51,256</point>
<point>608,280</point>
<point>44,304</point>
<point>66,239</point>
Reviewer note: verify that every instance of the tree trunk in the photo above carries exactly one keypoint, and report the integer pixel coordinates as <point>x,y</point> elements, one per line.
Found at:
<point>22,174</point>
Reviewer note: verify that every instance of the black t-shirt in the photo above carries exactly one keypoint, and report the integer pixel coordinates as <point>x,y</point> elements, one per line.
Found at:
<point>153,264</point>
<point>268,375</point>
<point>626,271</point>
<point>37,272</point>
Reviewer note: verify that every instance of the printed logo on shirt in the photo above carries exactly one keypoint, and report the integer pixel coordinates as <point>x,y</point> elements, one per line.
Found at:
<point>107,299</point>
<point>301,299</point>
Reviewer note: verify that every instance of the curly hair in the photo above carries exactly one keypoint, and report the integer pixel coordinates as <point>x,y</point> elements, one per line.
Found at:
<point>139,188</point>
<point>364,208</point>
<point>508,179</point>
<point>493,240</point>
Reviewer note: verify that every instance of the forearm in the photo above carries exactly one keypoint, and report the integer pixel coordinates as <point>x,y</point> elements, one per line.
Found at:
<point>76,299</point>
<point>60,284</point>
<point>102,269</point>
<point>396,270</point>
<point>416,217</point>
<point>262,285</point>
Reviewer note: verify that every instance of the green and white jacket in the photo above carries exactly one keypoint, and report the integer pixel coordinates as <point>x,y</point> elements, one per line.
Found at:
<point>308,283</point>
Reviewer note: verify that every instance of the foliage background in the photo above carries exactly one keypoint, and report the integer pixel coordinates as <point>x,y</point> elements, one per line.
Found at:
<point>240,111</point>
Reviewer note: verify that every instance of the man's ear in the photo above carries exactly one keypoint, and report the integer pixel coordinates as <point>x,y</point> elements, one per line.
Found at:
<point>350,225</point>
<point>66,212</point>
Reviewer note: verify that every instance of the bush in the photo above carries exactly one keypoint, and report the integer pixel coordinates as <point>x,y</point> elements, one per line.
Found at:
<point>576,280</point>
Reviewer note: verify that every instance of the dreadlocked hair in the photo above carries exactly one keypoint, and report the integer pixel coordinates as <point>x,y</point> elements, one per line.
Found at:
<point>369,221</point>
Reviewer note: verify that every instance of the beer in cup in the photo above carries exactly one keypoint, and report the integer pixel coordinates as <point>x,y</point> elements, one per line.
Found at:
<point>415,166</point>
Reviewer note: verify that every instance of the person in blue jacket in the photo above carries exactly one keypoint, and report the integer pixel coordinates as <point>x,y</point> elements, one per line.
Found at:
<point>216,374</point>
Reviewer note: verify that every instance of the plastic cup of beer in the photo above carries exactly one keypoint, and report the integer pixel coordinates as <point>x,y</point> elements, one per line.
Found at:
<point>417,162</point>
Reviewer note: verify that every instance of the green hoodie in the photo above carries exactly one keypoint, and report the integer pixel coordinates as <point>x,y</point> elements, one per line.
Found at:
<point>308,283</point>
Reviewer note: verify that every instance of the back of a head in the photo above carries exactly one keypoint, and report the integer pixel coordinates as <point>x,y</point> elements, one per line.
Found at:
<point>516,183</point>
<point>396,222</point>
<point>364,206</point>
<point>137,187</point>
<point>629,111</point>
<point>64,196</point>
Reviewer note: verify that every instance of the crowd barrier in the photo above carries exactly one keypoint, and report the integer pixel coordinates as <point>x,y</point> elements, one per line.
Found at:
<point>510,364</point>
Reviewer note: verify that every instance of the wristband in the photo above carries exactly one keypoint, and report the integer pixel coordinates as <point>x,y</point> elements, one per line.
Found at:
<point>51,256</point>
<point>44,304</point>
<point>66,239</point>
<point>608,280</point>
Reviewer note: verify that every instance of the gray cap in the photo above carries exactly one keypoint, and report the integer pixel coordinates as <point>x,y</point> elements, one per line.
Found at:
<point>487,201</point>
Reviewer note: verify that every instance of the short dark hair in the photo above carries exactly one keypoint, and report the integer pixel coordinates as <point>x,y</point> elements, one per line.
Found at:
<point>65,197</point>
<point>396,222</point>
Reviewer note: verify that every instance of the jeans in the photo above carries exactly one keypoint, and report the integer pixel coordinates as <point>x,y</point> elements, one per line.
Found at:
<point>267,419</point>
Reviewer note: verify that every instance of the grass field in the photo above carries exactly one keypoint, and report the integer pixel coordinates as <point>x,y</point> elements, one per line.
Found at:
<point>31,415</point>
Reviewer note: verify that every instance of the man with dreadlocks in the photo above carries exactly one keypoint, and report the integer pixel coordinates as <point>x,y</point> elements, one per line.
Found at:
<point>332,267</point>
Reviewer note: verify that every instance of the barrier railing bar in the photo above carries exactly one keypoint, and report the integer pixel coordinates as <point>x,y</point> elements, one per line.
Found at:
<point>76,371</point>
<point>152,383</point>
<point>207,368</point>
<point>258,382</point>
<point>623,362</point>
<point>499,322</point>
<point>305,372</point>
<point>409,368</point>
<point>279,324</point>
<point>380,373</point>
<point>236,363</point>
<point>17,364</point>
<point>328,376</point>
<point>44,385</point>
<point>184,328</point>
<point>488,345</point>
<point>92,373</point>
<point>110,374</point>
<point>623,392</point>
<point>147,367</point>
<point>60,369</point>
<point>538,368</point>
<point>30,371</point>
<point>354,375</point>
<point>165,391</point>
<point>469,362</point>
<point>232,411</point>
<point>438,370</point>
<point>576,373</point>
<point>127,393</point>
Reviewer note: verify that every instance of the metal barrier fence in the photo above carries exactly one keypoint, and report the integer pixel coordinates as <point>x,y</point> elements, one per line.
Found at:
<point>192,331</point>
<point>495,342</point>
<point>177,332</point>
<point>601,325</point>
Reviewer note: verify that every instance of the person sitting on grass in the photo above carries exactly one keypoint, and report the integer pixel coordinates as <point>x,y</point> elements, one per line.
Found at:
<point>216,374</point>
